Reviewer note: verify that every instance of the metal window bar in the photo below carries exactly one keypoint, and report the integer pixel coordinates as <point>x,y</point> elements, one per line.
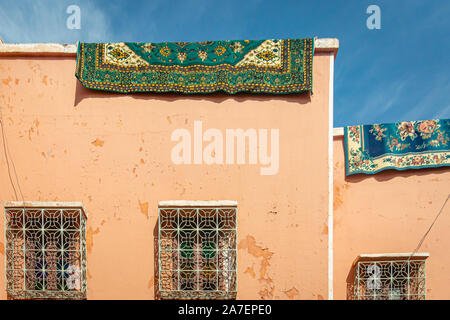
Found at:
<point>197,252</point>
<point>390,280</point>
<point>45,253</point>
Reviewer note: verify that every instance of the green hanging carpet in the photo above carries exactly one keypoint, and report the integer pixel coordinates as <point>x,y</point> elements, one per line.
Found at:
<point>258,66</point>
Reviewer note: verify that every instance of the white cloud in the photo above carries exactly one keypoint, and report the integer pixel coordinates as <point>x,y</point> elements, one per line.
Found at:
<point>381,101</point>
<point>435,99</point>
<point>443,114</point>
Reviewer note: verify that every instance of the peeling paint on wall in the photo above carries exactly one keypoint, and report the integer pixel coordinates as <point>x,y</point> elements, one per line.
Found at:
<point>90,238</point>
<point>6,81</point>
<point>251,272</point>
<point>32,129</point>
<point>144,208</point>
<point>151,282</point>
<point>249,243</point>
<point>291,293</point>
<point>267,293</point>
<point>98,143</point>
<point>339,191</point>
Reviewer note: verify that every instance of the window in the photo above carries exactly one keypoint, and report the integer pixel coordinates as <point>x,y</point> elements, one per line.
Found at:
<point>197,249</point>
<point>45,251</point>
<point>390,277</point>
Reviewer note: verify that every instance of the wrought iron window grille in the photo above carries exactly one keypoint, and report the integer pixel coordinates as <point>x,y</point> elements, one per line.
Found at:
<point>400,279</point>
<point>45,253</point>
<point>197,252</point>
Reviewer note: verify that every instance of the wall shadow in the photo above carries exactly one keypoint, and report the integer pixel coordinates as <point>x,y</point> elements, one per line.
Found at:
<point>392,173</point>
<point>82,93</point>
<point>156,294</point>
<point>350,283</point>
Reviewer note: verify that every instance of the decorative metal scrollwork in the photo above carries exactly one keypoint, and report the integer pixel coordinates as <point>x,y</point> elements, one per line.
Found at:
<point>46,253</point>
<point>197,253</point>
<point>390,280</point>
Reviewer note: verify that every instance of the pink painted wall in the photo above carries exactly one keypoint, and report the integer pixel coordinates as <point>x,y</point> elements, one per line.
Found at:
<point>389,213</point>
<point>112,152</point>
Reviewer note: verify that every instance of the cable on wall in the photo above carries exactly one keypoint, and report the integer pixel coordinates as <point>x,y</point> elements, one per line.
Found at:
<point>8,158</point>
<point>429,229</point>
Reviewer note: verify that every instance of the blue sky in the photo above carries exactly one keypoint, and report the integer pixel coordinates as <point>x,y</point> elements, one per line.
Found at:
<point>400,72</point>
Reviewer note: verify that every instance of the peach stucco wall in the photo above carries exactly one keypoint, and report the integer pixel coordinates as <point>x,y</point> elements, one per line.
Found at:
<point>389,213</point>
<point>112,152</point>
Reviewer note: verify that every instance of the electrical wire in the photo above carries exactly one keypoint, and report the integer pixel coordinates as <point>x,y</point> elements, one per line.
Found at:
<point>9,158</point>
<point>6,156</point>
<point>15,173</point>
<point>429,229</point>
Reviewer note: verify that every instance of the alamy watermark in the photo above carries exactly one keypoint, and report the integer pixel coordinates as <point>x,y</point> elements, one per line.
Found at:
<point>73,280</point>
<point>374,20</point>
<point>74,19</point>
<point>220,148</point>
<point>373,282</point>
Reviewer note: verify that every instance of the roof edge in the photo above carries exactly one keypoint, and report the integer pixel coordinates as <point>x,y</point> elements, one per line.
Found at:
<point>70,50</point>
<point>338,132</point>
<point>326,45</point>
<point>38,49</point>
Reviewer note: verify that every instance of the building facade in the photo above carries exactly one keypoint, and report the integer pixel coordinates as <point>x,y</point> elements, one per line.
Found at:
<point>131,179</point>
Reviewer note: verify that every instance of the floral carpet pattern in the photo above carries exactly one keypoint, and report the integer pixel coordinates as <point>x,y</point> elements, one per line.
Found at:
<point>255,66</point>
<point>400,146</point>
